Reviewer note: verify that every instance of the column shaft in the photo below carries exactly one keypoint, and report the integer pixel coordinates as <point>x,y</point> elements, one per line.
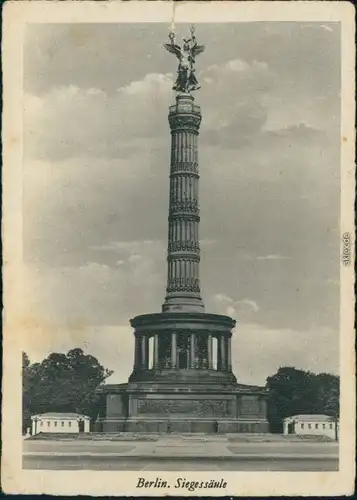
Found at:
<point>144,353</point>
<point>210,357</point>
<point>136,353</point>
<point>156,351</point>
<point>173,350</point>
<point>193,351</point>
<point>229,354</point>
<point>223,354</point>
<point>219,355</point>
<point>183,285</point>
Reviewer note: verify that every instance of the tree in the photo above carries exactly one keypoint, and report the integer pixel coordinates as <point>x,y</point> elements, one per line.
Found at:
<point>329,394</point>
<point>63,383</point>
<point>293,392</point>
<point>26,416</point>
<point>329,397</point>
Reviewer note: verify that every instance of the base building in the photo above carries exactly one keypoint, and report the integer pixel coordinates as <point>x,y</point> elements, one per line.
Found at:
<point>182,379</point>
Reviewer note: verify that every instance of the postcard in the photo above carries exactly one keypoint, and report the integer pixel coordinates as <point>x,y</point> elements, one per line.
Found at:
<point>179,248</point>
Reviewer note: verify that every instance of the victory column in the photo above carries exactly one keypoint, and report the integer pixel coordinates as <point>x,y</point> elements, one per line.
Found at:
<point>183,390</point>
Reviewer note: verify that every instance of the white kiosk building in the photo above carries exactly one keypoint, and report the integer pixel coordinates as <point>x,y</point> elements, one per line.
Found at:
<point>314,425</point>
<point>60,423</point>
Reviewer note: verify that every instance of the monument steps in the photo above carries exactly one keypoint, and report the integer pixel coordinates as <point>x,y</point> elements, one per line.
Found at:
<point>182,440</point>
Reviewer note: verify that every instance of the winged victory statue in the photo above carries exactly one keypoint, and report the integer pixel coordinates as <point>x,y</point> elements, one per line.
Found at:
<point>186,80</point>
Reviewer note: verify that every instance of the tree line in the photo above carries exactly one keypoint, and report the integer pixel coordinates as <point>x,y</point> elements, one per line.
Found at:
<point>61,383</point>
<point>296,392</point>
<point>67,383</point>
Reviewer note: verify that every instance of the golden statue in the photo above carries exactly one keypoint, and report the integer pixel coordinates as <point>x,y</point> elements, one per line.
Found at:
<point>186,80</point>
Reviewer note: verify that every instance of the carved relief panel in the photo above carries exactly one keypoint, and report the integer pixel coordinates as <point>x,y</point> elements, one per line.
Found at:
<point>197,408</point>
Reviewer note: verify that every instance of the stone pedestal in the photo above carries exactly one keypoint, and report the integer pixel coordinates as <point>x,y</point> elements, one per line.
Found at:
<point>176,407</point>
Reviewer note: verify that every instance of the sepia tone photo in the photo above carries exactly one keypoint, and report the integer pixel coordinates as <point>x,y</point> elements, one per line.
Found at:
<point>184,260</point>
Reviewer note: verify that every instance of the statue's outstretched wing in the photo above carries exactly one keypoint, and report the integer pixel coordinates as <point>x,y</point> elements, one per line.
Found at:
<point>173,48</point>
<point>198,49</point>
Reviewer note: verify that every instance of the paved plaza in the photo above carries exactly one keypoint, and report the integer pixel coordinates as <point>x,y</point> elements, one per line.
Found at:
<point>181,453</point>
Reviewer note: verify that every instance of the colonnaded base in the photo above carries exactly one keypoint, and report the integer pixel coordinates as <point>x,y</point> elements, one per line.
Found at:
<point>188,386</point>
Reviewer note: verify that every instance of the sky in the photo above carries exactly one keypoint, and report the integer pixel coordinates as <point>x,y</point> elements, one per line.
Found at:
<point>96,179</point>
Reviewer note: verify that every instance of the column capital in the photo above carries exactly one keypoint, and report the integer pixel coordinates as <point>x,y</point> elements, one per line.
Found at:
<point>185,122</point>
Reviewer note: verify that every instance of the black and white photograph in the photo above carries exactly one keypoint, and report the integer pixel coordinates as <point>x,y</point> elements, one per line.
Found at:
<point>186,240</point>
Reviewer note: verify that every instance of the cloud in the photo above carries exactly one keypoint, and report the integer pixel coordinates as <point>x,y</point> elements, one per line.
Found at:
<point>250,303</point>
<point>74,122</point>
<point>268,348</point>
<point>312,349</point>
<point>221,298</point>
<point>204,243</point>
<point>152,83</point>
<point>105,200</point>
<point>96,170</point>
<point>298,131</point>
<point>70,121</point>
<point>237,65</point>
<point>271,257</point>
<point>235,123</point>
<point>334,282</point>
<point>126,246</point>
<point>235,308</point>
<point>113,346</point>
<point>327,28</point>
<point>98,52</point>
<point>95,293</point>
<point>104,123</point>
